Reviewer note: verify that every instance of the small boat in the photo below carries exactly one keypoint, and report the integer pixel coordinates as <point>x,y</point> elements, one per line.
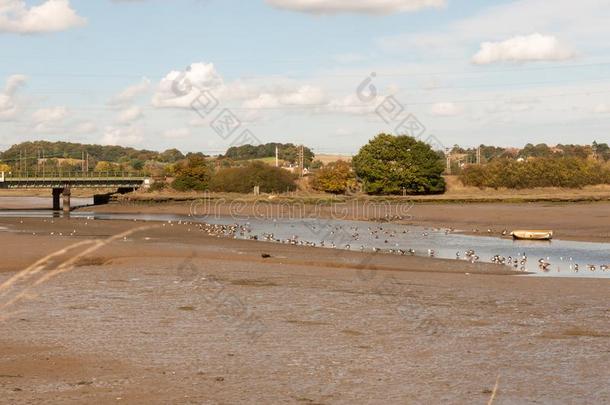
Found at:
<point>532,235</point>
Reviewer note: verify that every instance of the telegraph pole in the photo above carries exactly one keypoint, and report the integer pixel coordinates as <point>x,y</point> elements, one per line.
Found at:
<point>302,159</point>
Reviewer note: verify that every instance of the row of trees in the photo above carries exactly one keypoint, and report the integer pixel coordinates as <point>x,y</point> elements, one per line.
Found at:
<point>287,152</point>
<point>31,157</point>
<point>568,172</point>
<point>386,165</point>
<point>488,153</point>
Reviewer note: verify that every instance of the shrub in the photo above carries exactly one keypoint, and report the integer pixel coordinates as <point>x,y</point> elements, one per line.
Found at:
<point>243,179</point>
<point>157,186</point>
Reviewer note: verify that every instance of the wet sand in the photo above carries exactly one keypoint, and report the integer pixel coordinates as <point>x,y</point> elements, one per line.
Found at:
<point>585,221</point>
<point>172,315</point>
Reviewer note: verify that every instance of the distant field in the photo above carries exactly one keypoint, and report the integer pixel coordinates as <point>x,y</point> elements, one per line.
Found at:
<point>268,160</point>
<point>332,158</point>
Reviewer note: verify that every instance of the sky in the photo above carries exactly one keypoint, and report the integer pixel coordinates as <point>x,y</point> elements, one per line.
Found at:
<point>202,75</point>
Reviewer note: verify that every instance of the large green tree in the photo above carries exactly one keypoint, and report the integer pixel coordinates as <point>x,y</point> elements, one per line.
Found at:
<point>390,164</point>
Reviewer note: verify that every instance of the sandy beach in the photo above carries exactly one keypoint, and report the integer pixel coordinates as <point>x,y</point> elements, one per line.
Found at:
<point>171,314</point>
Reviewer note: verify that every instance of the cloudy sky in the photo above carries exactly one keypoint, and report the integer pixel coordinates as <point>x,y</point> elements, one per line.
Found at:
<point>327,73</point>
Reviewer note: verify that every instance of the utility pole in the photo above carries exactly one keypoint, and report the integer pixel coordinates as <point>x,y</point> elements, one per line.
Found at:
<point>479,155</point>
<point>448,155</point>
<point>302,159</point>
<point>277,156</point>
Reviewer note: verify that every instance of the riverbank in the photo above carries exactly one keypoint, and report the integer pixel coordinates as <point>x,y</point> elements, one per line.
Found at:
<point>172,314</point>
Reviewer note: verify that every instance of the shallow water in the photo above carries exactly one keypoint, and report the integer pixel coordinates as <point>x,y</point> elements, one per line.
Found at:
<point>563,256</point>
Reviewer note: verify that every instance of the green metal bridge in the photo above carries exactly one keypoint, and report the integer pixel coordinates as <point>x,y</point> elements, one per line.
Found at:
<point>62,183</point>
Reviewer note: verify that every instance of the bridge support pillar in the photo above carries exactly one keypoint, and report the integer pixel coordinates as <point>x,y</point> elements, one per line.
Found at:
<point>66,194</point>
<point>56,193</point>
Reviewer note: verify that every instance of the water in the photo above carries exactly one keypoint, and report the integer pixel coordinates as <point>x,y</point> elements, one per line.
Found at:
<point>562,255</point>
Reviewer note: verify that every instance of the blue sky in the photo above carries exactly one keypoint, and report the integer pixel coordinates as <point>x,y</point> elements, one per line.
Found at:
<point>493,72</point>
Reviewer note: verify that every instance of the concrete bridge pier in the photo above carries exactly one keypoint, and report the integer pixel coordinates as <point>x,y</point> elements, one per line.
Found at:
<point>65,193</point>
<point>56,193</point>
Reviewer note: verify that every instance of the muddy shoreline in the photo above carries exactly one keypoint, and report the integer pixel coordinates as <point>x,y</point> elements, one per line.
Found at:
<point>173,314</point>
<point>570,221</point>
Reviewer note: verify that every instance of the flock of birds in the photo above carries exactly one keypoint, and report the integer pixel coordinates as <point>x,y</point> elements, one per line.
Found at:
<point>345,237</point>
<point>350,237</point>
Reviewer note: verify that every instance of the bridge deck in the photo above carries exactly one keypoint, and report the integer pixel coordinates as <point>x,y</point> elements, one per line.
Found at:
<point>93,181</point>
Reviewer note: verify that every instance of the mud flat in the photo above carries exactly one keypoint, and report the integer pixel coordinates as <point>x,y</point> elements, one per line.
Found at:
<point>171,315</point>
<point>584,221</point>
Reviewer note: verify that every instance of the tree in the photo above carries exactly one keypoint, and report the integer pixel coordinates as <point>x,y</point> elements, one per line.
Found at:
<point>540,150</point>
<point>192,174</point>
<point>390,164</point>
<point>171,156</point>
<point>336,178</point>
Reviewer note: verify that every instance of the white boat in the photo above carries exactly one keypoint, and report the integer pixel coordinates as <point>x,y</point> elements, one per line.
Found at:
<point>532,235</point>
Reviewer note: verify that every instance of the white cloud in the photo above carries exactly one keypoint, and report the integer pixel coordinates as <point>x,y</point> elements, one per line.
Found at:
<point>129,115</point>
<point>602,108</point>
<point>131,93</point>
<point>177,133</point>
<point>13,83</point>
<point>534,47</point>
<point>302,96</point>
<point>50,16</point>
<point>86,127</point>
<point>8,103</point>
<point>352,104</point>
<point>178,89</point>
<point>263,101</point>
<point>583,22</point>
<point>122,136</point>
<point>445,110</point>
<point>52,114</point>
<point>355,6</point>
<point>49,120</point>
<point>8,108</point>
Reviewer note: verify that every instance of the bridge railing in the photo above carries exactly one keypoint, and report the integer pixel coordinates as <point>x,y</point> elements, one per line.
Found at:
<point>70,175</point>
